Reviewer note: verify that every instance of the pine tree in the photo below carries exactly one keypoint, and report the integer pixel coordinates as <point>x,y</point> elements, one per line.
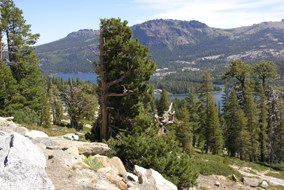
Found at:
<point>184,130</point>
<point>124,68</point>
<point>251,113</point>
<point>55,104</point>
<point>8,92</point>
<point>195,108</point>
<point>21,58</point>
<point>265,70</point>
<point>263,124</point>
<point>239,71</point>
<point>79,102</point>
<point>234,126</point>
<point>45,119</point>
<point>214,133</point>
<point>163,103</point>
<point>211,126</point>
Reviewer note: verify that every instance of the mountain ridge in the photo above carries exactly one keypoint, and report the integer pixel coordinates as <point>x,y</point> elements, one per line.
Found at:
<point>173,44</point>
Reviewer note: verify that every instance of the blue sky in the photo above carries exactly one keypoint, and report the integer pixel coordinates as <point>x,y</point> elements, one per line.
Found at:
<point>54,19</point>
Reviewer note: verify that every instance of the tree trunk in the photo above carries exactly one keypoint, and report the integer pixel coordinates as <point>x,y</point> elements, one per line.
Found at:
<point>103,91</point>
<point>1,47</point>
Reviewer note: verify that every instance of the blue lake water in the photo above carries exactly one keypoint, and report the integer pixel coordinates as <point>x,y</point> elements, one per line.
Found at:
<point>92,77</point>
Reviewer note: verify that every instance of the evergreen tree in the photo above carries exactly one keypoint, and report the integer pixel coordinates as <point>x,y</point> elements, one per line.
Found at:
<point>214,133</point>
<point>195,108</point>
<point>163,103</point>
<point>275,126</point>
<point>79,101</point>
<point>45,119</point>
<point>239,71</point>
<point>56,104</point>
<point>124,68</point>
<point>9,96</point>
<point>251,113</point>
<point>184,130</point>
<point>263,125</point>
<point>265,70</point>
<point>211,125</point>
<point>21,58</point>
<point>234,126</point>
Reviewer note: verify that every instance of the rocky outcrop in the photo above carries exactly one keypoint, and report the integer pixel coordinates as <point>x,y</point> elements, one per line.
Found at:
<point>151,179</point>
<point>22,164</point>
<point>41,162</point>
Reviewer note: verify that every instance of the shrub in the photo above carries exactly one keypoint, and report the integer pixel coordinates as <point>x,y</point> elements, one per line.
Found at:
<point>92,162</point>
<point>158,152</point>
<point>26,116</point>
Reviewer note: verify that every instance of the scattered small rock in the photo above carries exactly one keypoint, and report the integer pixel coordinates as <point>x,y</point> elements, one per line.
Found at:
<point>72,137</point>
<point>250,181</point>
<point>217,183</point>
<point>264,185</point>
<point>234,177</point>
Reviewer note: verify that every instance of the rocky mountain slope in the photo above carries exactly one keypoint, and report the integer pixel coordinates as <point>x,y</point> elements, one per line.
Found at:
<point>174,44</point>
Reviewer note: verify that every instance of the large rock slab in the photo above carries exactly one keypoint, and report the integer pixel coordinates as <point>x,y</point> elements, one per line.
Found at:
<point>250,181</point>
<point>22,164</point>
<point>84,148</point>
<point>34,134</point>
<point>152,179</point>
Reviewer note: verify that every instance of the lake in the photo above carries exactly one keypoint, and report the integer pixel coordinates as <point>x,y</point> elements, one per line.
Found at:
<point>92,77</point>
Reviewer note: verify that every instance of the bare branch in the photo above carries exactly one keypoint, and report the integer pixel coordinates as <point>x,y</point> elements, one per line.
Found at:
<point>120,79</point>
<point>119,94</point>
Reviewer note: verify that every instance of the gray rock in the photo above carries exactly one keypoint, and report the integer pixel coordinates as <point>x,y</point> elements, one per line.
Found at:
<point>47,141</point>
<point>161,182</point>
<point>152,179</point>
<point>264,185</point>
<point>22,164</point>
<point>72,137</point>
<point>217,184</point>
<point>250,181</point>
<point>21,130</point>
<point>234,178</point>
<point>34,134</point>
<point>7,125</point>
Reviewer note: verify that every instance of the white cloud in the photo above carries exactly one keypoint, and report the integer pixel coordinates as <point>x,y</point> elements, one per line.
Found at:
<point>215,13</point>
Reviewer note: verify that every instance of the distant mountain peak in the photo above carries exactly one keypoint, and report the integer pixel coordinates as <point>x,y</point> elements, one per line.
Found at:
<point>171,22</point>
<point>85,33</point>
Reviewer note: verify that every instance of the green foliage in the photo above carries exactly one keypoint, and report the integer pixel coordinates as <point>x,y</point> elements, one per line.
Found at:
<point>163,103</point>
<point>183,131</point>
<point>265,70</point>
<point>26,116</point>
<point>161,153</point>
<point>251,112</point>
<point>124,70</point>
<point>80,102</point>
<point>92,162</point>
<point>214,165</point>
<point>234,123</point>
<point>27,92</point>
<point>210,126</point>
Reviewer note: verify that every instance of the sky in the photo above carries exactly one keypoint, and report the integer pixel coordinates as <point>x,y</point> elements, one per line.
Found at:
<point>55,19</point>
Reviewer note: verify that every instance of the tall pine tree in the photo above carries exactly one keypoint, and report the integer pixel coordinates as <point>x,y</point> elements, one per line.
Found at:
<point>212,130</point>
<point>21,58</point>
<point>124,68</point>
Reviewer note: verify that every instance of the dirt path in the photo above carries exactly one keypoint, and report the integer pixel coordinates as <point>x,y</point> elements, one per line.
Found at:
<point>271,180</point>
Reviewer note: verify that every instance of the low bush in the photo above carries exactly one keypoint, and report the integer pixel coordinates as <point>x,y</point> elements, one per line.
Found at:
<point>160,153</point>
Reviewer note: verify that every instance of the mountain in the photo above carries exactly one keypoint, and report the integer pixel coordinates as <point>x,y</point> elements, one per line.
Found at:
<point>174,44</point>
